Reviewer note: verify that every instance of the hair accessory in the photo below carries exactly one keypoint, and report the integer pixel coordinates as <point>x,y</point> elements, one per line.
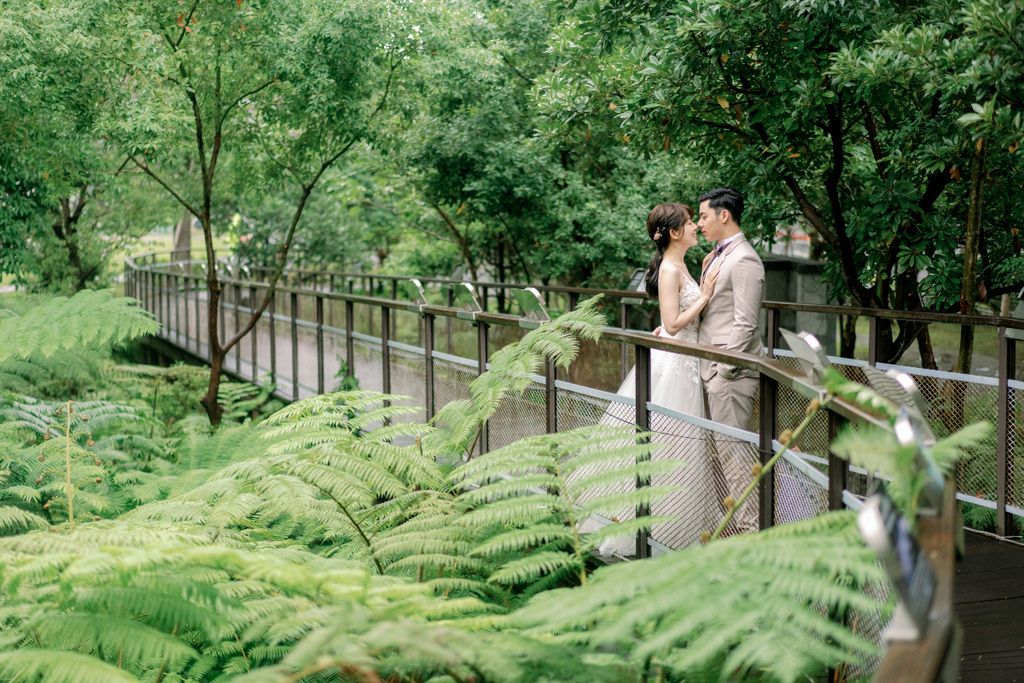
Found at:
<point>657,234</point>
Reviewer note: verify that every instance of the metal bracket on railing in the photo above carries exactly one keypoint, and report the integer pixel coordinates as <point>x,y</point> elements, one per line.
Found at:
<point>813,360</point>
<point>636,284</point>
<point>901,389</point>
<point>465,296</point>
<point>413,289</point>
<point>908,436</point>
<point>532,304</point>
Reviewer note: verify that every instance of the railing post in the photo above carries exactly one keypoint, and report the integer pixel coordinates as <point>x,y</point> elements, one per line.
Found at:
<point>394,296</point>
<point>221,313</point>
<point>160,301</point>
<point>838,469</point>
<point>330,306</point>
<point>772,331</point>
<point>450,302</point>
<point>428,368</point>
<point>350,342</point>
<point>483,299</point>
<point>238,347</point>
<point>253,333</point>
<point>294,301</point>
<point>199,322</point>
<point>872,340</point>
<point>167,298</point>
<point>272,312</point>
<point>482,353</point>
<point>623,318</point>
<point>574,299</point>
<point>187,286</point>
<point>767,424</point>
<point>550,397</point>
<point>320,388</point>
<point>385,349</point>
<point>1007,366</point>
<point>643,424</point>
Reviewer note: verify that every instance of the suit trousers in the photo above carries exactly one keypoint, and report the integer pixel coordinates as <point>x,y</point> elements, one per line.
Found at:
<point>731,403</point>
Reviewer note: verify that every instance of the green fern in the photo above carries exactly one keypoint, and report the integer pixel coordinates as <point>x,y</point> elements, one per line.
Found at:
<point>748,604</point>
<point>43,325</point>
<point>512,369</point>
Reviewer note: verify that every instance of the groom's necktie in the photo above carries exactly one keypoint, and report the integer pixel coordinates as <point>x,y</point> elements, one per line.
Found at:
<point>718,252</point>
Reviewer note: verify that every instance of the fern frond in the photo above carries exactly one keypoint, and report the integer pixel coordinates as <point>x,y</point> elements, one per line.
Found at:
<point>534,566</point>
<point>53,666</point>
<point>40,324</point>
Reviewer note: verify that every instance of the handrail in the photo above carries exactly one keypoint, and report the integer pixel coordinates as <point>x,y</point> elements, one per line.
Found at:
<point>917,316</point>
<point>887,314</point>
<point>936,655</point>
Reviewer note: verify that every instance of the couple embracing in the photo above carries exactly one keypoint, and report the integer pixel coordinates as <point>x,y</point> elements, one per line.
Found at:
<point>720,310</point>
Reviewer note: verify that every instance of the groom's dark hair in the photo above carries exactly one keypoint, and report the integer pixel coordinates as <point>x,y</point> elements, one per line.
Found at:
<point>724,198</point>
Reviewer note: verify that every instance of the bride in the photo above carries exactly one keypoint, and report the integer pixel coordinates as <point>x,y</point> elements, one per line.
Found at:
<point>675,384</point>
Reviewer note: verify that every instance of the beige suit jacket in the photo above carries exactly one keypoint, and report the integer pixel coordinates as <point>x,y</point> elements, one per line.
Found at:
<point>729,319</point>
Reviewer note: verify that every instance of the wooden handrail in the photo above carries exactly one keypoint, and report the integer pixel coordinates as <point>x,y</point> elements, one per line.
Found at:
<point>936,655</point>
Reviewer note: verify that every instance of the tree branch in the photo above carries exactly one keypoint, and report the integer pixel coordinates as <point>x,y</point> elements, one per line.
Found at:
<point>145,169</point>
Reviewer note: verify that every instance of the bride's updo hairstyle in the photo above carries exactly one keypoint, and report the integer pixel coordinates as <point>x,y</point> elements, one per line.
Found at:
<point>660,221</point>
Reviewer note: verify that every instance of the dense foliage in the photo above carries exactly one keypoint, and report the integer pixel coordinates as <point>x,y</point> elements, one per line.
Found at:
<point>333,541</point>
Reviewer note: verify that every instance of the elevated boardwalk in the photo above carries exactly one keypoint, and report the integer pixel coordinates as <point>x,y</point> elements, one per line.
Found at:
<point>309,335</point>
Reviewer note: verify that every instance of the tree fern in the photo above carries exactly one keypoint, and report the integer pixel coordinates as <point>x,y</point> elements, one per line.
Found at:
<point>54,666</point>
<point>750,603</point>
<point>511,372</point>
<point>43,325</point>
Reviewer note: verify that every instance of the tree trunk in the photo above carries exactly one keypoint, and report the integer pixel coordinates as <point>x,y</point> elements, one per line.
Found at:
<point>969,288</point>
<point>209,401</point>
<point>848,342</point>
<point>183,241</point>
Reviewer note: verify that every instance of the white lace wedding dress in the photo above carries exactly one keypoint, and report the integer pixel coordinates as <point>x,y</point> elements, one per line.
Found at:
<point>675,386</point>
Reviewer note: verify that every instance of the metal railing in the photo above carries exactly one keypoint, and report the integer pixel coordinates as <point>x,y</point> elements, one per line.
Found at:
<point>395,346</point>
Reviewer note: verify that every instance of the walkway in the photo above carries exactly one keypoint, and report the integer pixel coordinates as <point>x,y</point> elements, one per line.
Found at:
<point>990,606</point>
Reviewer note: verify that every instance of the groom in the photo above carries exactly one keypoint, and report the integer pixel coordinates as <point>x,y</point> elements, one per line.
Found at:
<point>730,321</point>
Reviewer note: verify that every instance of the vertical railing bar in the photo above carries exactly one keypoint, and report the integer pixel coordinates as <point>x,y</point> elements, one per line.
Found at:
<point>319,344</point>
<point>238,347</point>
<point>767,426</point>
<point>1007,365</point>
<point>167,296</point>
<point>838,468</point>
<point>272,312</point>
<point>385,350</point>
<point>177,309</point>
<point>199,324</point>
<point>450,303</point>
<point>253,334</point>
<point>222,326</point>
<point>187,286</point>
<point>161,313</point>
<point>428,368</point>
<point>624,320</point>
<point>330,305</point>
<point>295,345</point>
<point>350,342</point>
<point>482,353</point>
<point>394,312</point>
<point>550,397</point>
<point>873,340</point>
<point>643,425</point>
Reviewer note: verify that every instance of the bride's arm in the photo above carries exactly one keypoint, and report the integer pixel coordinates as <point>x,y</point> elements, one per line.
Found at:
<point>672,318</point>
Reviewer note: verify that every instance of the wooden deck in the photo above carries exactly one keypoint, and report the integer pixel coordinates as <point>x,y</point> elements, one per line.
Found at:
<point>990,606</point>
